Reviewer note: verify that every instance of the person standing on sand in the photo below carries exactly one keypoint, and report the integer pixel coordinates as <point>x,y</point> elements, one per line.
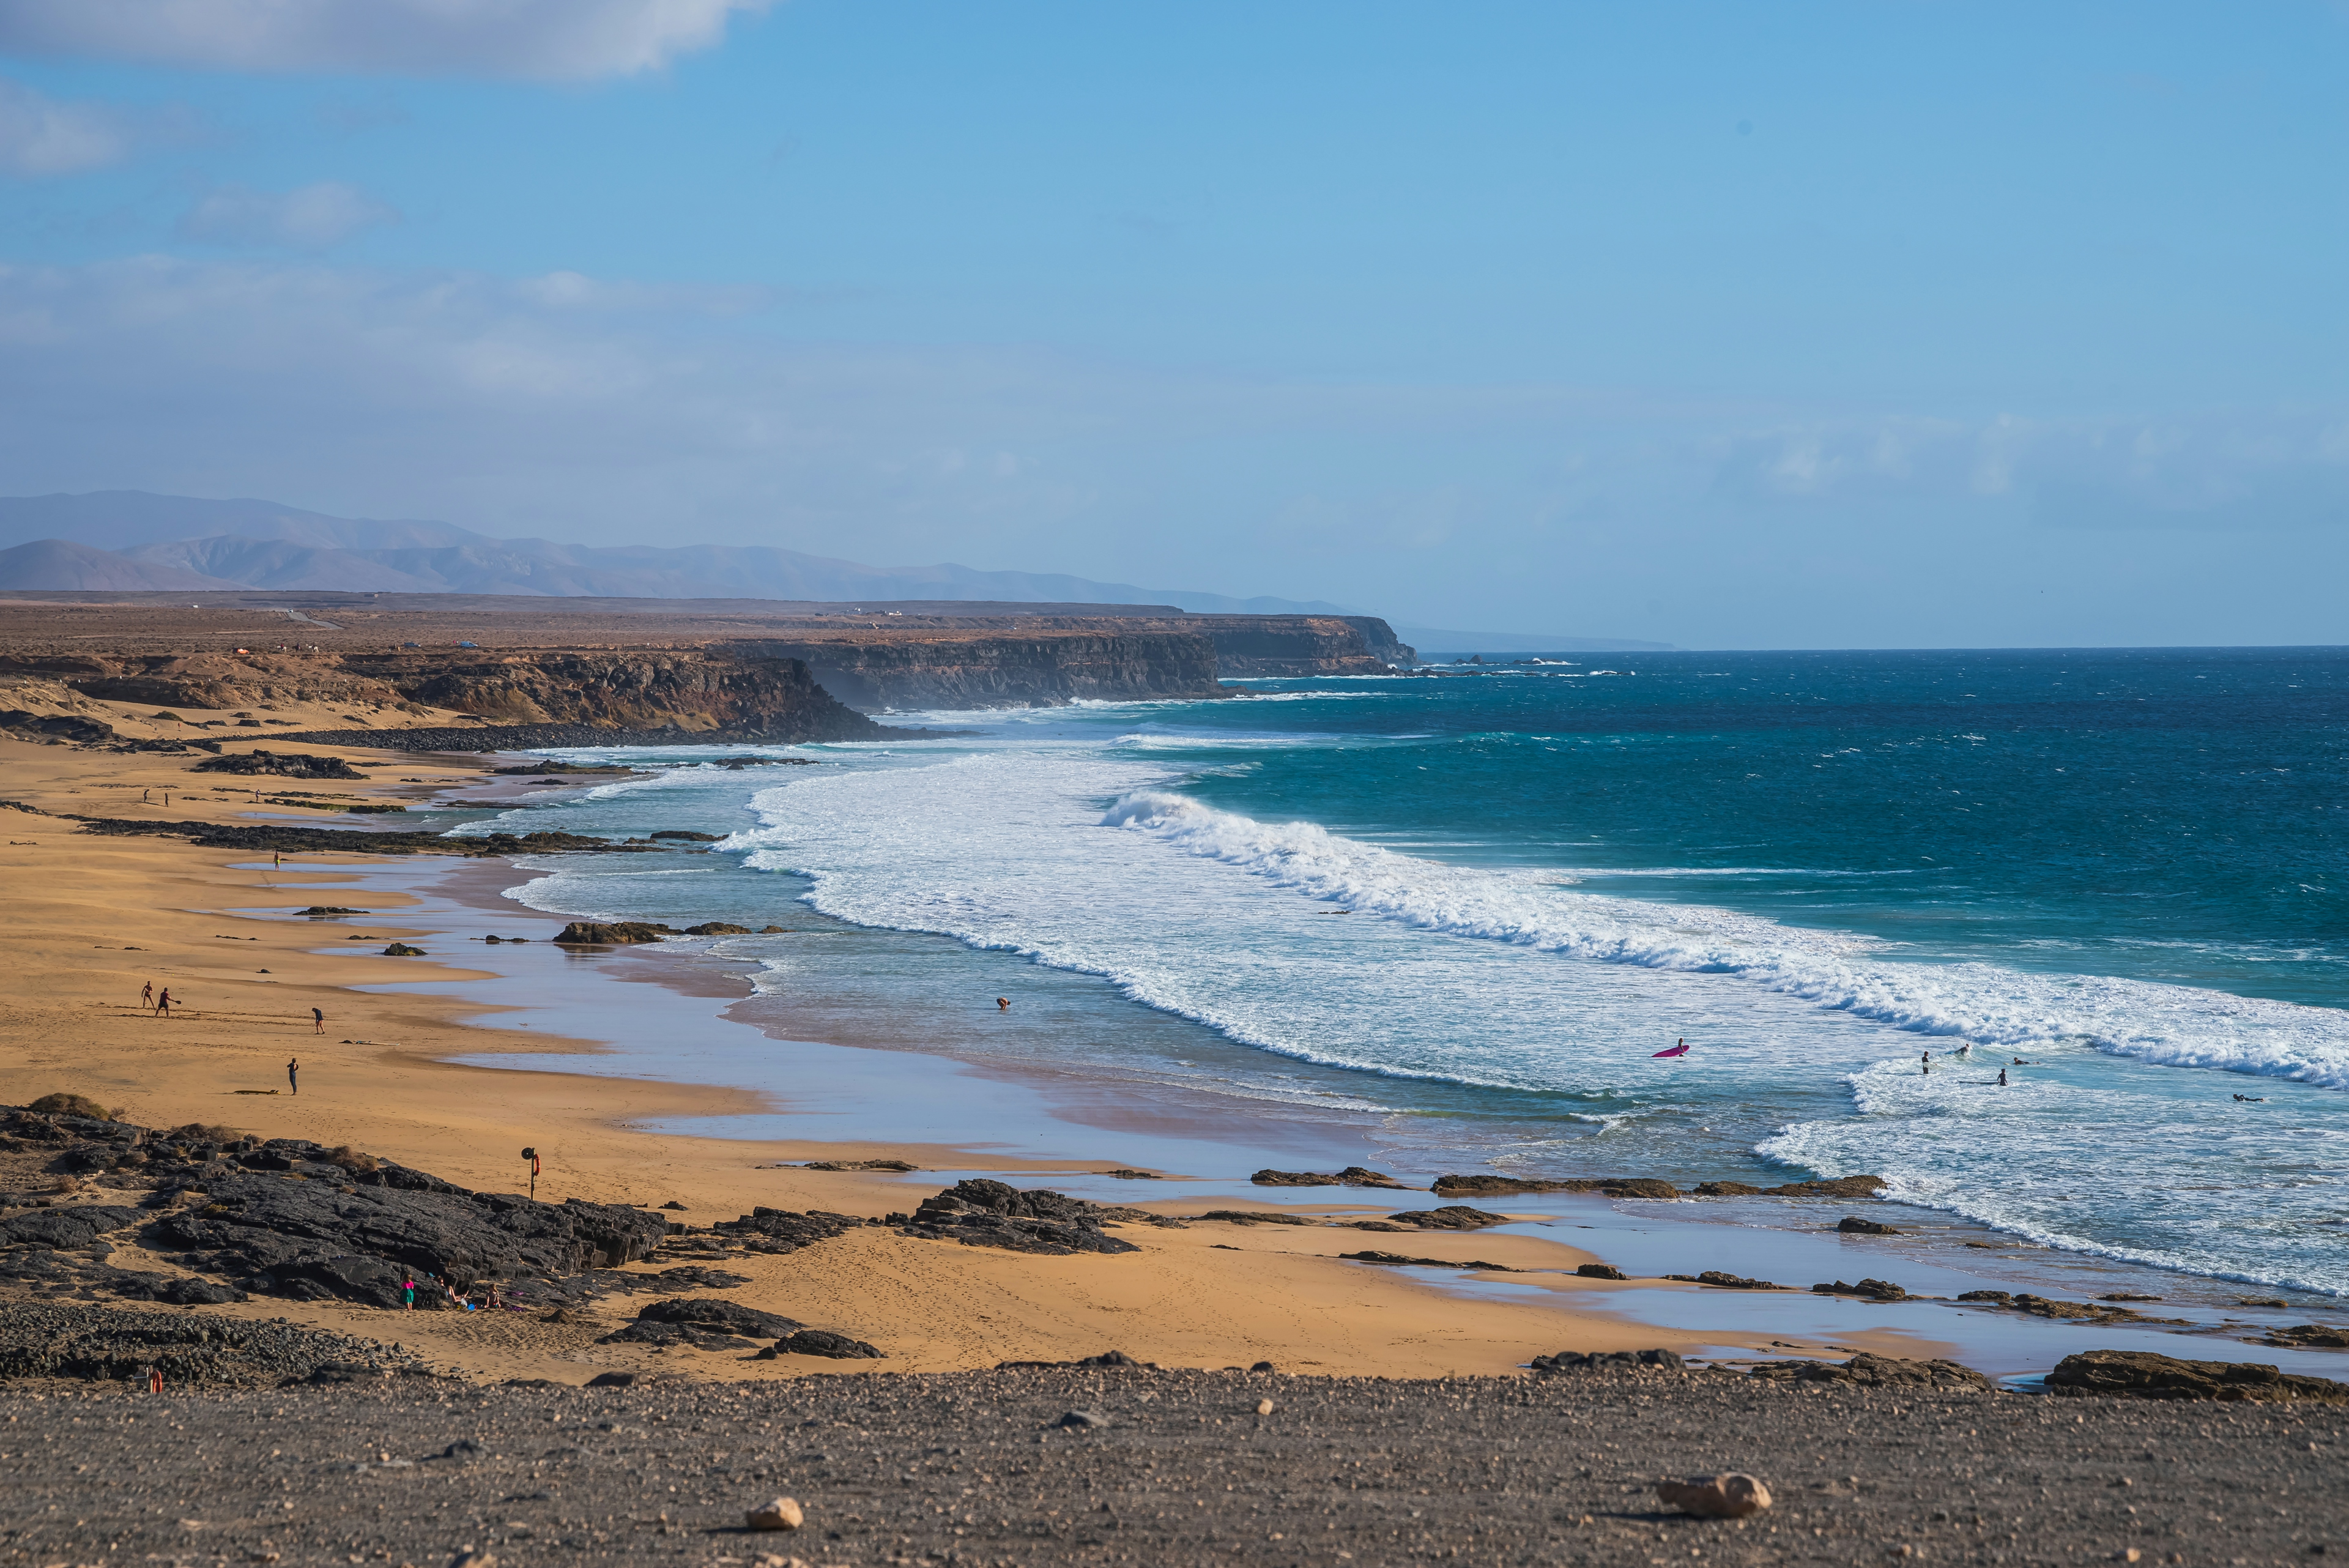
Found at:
<point>163,1003</point>
<point>318,1021</point>
<point>410,1288</point>
<point>147,996</point>
<point>292,1066</point>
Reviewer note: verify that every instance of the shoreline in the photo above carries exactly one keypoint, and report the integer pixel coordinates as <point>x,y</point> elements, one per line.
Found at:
<point>452,1084</point>
<point>1775,1238</point>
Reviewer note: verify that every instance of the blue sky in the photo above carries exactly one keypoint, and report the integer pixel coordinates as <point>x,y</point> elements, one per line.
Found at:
<point>1826,323</point>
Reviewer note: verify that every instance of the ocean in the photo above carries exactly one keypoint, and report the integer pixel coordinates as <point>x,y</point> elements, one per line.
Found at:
<point>1464,911</point>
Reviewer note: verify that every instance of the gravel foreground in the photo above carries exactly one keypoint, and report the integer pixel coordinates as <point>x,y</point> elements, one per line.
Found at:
<point>971,1468</point>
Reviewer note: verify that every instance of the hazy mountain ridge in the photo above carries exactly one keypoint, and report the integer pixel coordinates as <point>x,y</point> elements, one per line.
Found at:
<point>259,543</point>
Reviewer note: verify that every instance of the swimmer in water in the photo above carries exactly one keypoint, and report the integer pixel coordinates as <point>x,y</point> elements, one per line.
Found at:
<point>1003,1005</point>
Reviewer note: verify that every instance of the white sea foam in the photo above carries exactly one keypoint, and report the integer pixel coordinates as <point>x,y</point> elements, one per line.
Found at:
<point>2171,1025</point>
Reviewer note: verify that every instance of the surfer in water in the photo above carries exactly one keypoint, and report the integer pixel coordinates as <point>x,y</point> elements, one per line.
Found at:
<point>2001,1077</point>
<point>1678,1049</point>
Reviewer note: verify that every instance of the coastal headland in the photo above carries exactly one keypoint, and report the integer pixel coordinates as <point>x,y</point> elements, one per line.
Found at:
<point>1091,1378</point>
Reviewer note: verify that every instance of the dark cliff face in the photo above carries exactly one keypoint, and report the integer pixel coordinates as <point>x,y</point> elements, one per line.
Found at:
<point>1296,644</point>
<point>1011,670</point>
<point>727,689</point>
<point>719,689</point>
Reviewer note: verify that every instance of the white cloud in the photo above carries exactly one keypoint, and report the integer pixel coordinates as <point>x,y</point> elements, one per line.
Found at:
<point>312,218</point>
<point>40,136</point>
<point>544,38</point>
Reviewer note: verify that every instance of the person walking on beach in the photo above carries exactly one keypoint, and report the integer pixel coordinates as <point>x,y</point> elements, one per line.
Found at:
<point>318,1021</point>
<point>292,1066</point>
<point>163,1003</point>
<point>409,1286</point>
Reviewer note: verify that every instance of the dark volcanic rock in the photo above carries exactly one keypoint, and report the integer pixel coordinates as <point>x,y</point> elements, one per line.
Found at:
<point>1877,1372</point>
<point>1606,1361</point>
<point>55,728</point>
<point>718,929</point>
<point>1352,1176</point>
<point>613,933</point>
<point>1397,1261</point>
<point>685,837</point>
<point>2142,1374</point>
<point>1491,1186</point>
<point>356,841</point>
<point>282,764</point>
<point>719,1315</point>
<point>358,1235</point>
<point>1872,1289</point>
<point>73,1228</point>
<point>1726,1281</point>
<point>1852,1225</point>
<point>2044,1306</point>
<point>60,1339</point>
<point>1258,1216</point>
<point>981,1213</point>
<point>1451,1217</point>
<point>1601,1272</point>
<point>1727,1190</point>
<point>778,1231</point>
<point>896,1165</point>
<point>820,1341</point>
<point>2310,1336</point>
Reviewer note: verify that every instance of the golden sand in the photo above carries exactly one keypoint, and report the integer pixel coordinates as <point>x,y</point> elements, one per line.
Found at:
<point>88,919</point>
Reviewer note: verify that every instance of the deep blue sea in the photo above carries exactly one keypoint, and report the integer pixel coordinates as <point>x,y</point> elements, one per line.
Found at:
<point>1470,906</point>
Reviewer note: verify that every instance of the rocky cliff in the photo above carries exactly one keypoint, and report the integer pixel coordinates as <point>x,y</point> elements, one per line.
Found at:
<point>1028,667</point>
<point>715,691</point>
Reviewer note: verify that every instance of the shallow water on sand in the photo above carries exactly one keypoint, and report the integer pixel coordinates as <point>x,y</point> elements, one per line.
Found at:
<point>1457,916</point>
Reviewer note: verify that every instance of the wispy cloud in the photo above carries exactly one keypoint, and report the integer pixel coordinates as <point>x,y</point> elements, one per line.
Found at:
<point>41,137</point>
<point>311,218</point>
<point>545,38</point>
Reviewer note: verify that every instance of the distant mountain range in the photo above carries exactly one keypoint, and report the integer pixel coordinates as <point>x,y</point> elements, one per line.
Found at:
<point>122,541</point>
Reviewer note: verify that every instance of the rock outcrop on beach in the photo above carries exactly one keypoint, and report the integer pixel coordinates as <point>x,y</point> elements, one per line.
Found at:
<point>2142,1374</point>
<point>1458,1186</point>
<point>265,837</point>
<point>1450,1216</point>
<point>980,1213</point>
<point>1867,1371</point>
<point>1867,1289</point>
<point>1606,1361</point>
<point>282,764</point>
<point>285,1217</point>
<point>1352,1176</point>
<point>71,1339</point>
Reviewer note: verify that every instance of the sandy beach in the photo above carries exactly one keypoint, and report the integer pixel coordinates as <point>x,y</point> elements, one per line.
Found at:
<point>95,919</point>
<point>454,1061</point>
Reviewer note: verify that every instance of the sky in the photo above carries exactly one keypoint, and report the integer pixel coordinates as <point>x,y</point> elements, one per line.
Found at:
<point>1826,324</point>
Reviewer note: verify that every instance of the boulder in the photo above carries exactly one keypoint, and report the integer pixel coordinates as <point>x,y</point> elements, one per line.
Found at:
<point>681,836</point>
<point>2142,1374</point>
<point>1871,1290</point>
<point>55,728</point>
<point>401,950</point>
<point>1731,1495</point>
<point>1726,1189</point>
<point>1852,1225</point>
<point>718,929</point>
<point>781,1514</point>
<point>822,1342</point>
<point>1601,1272</point>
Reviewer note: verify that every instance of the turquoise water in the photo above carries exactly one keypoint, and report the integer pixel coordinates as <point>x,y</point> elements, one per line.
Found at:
<point>1467,911</point>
